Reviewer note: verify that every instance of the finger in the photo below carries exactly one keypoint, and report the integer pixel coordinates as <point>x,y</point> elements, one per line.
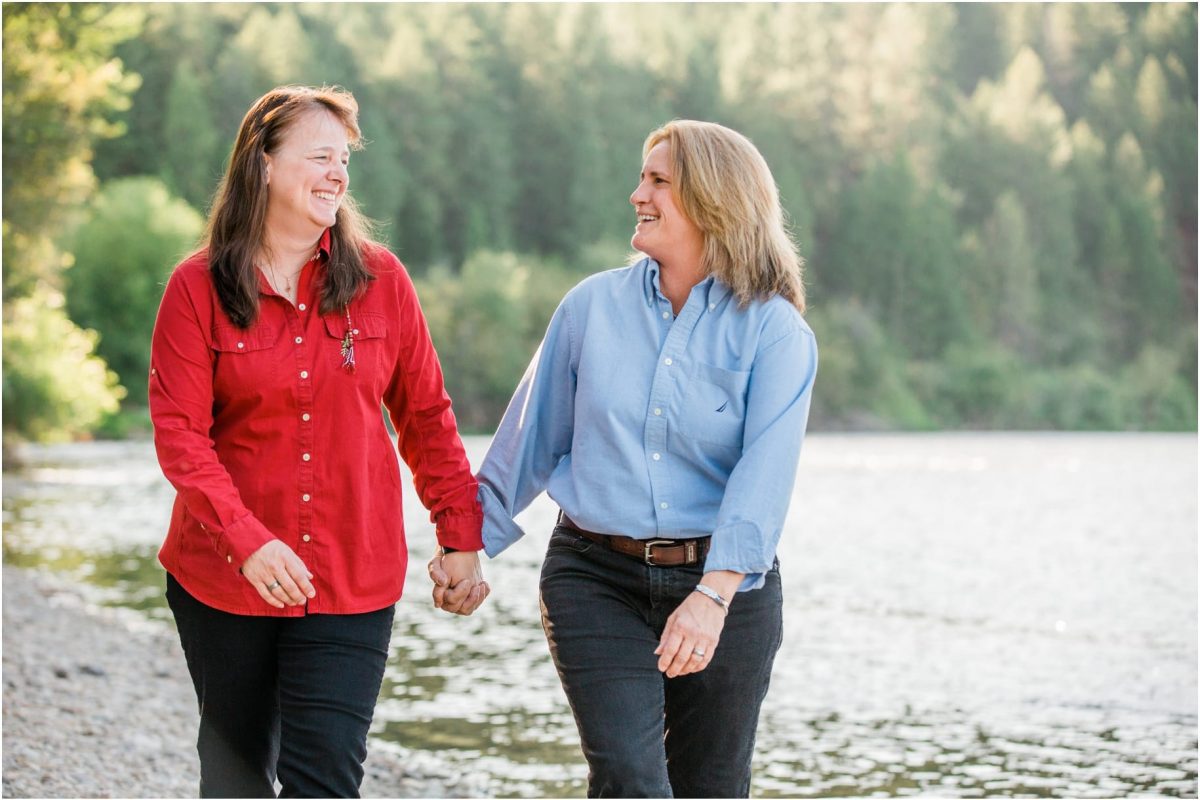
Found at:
<point>301,578</point>
<point>475,599</point>
<point>683,658</point>
<point>439,596</point>
<point>288,590</point>
<point>696,662</point>
<point>457,594</point>
<point>267,594</point>
<point>668,648</point>
<point>436,573</point>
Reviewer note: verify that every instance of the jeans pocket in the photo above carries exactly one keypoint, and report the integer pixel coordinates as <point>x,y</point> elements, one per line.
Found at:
<point>567,538</point>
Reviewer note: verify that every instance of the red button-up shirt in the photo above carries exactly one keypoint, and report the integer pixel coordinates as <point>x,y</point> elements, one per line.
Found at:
<point>264,434</point>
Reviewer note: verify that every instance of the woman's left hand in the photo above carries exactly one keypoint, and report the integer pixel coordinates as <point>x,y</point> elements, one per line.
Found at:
<point>458,584</point>
<point>693,630</point>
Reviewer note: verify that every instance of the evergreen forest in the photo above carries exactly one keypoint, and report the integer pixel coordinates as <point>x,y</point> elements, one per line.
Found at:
<point>996,203</point>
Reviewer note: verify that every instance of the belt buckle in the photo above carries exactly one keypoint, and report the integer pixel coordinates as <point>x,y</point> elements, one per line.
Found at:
<point>647,556</point>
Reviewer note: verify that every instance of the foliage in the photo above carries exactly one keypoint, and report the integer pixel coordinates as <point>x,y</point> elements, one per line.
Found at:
<point>997,203</point>
<point>486,323</point>
<point>61,90</point>
<point>54,386</point>
<point>861,373</point>
<point>124,251</point>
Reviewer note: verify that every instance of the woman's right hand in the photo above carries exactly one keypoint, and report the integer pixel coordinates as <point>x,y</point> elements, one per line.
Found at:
<point>279,575</point>
<point>458,584</point>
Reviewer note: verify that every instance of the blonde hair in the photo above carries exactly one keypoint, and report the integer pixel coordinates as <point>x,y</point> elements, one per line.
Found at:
<point>725,187</point>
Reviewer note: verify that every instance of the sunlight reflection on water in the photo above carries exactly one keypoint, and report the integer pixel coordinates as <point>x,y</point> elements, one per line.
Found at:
<point>966,615</point>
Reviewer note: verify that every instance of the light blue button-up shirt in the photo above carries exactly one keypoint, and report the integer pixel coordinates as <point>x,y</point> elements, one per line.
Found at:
<point>648,425</point>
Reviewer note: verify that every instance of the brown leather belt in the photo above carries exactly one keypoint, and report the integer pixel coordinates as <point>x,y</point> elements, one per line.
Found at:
<point>655,552</point>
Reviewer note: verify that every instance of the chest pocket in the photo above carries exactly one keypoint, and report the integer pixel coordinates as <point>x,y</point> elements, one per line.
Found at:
<point>369,333</point>
<point>712,408</point>
<point>244,358</point>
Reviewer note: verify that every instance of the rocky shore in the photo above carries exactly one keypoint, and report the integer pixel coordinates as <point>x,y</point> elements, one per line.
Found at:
<point>97,703</point>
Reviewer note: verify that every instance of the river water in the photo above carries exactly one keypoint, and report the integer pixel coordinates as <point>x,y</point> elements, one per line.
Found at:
<point>965,615</point>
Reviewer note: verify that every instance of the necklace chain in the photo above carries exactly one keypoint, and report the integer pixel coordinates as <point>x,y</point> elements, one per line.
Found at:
<point>273,276</point>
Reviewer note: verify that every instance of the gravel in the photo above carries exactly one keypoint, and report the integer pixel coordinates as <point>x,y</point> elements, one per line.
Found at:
<point>97,703</point>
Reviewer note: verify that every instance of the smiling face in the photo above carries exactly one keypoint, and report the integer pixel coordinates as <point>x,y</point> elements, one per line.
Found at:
<point>307,177</point>
<point>663,231</point>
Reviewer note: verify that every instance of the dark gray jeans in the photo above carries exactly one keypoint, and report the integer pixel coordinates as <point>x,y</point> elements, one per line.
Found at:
<point>645,735</point>
<point>289,696</point>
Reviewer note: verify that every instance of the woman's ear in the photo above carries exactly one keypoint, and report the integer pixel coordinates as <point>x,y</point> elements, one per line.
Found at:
<point>266,169</point>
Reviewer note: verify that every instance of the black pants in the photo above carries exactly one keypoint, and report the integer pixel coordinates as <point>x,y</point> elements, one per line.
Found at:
<point>288,697</point>
<point>643,734</point>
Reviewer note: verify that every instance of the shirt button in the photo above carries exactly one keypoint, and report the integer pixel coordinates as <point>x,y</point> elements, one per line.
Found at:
<point>666,315</point>
<point>303,374</point>
<point>302,307</point>
<point>658,412</point>
<point>229,559</point>
<point>306,538</point>
<point>656,456</point>
<point>299,340</point>
<point>305,498</point>
<point>306,457</point>
<point>663,505</point>
<point>712,306</point>
<point>305,417</point>
<point>668,361</point>
<point>241,345</point>
<point>153,372</point>
<point>354,332</point>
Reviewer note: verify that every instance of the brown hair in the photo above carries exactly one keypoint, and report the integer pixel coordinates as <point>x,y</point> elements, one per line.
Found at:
<point>237,223</point>
<point>724,186</point>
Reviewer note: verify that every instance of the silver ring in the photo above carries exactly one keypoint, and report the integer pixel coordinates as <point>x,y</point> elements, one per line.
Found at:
<point>697,653</point>
<point>272,586</point>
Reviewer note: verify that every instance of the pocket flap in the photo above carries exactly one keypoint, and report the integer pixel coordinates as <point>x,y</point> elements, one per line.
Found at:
<point>366,325</point>
<point>232,339</point>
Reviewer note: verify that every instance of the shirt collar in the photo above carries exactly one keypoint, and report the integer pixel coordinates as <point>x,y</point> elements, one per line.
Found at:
<point>323,247</point>
<point>715,290</point>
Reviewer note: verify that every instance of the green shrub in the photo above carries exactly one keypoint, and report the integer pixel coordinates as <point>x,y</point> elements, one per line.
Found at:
<point>134,233</point>
<point>55,386</point>
<point>862,380</point>
<point>486,323</point>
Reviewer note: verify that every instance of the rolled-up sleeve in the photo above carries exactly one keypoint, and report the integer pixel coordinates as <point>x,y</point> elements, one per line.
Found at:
<point>759,490</point>
<point>534,435</point>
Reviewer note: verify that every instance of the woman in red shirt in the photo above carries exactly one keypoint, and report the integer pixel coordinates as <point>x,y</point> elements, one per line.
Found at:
<point>274,348</point>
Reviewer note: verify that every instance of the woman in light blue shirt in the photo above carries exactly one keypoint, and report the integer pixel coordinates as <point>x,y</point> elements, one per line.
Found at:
<point>664,413</point>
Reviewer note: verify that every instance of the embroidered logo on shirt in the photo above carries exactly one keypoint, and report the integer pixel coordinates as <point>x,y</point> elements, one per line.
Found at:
<point>723,406</point>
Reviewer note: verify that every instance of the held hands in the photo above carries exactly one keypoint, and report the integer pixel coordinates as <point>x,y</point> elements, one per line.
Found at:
<point>458,584</point>
<point>693,630</point>
<point>279,575</point>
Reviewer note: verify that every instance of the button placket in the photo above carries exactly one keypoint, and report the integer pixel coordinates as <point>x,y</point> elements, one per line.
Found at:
<point>671,363</point>
<point>306,438</point>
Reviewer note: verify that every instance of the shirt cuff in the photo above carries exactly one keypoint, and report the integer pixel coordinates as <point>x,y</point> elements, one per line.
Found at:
<point>739,547</point>
<point>242,539</point>
<point>460,531</point>
<point>499,530</point>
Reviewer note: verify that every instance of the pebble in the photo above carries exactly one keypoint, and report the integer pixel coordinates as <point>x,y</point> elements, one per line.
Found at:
<point>98,703</point>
